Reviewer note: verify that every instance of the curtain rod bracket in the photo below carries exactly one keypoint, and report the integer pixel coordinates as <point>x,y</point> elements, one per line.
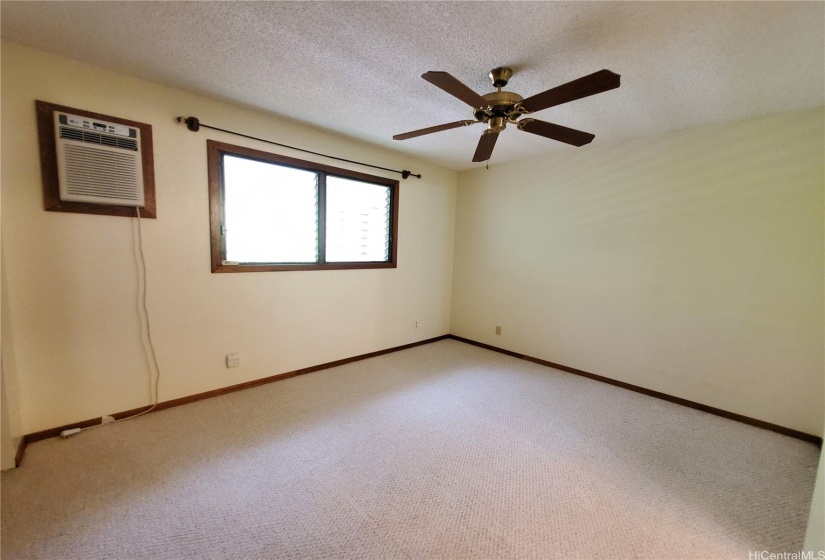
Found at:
<point>193,124</point>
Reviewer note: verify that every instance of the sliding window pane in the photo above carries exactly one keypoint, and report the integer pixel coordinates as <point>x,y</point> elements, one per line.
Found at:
<point>270,212</point>
<point>358,221</point>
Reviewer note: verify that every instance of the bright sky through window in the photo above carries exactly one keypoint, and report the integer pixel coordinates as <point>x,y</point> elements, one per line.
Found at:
<point>270,212</point>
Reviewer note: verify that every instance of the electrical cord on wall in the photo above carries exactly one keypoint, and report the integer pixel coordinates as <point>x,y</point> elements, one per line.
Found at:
<point>151,358</point>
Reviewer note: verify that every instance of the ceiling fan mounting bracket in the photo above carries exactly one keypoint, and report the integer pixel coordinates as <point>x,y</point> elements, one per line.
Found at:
<point>481,114</point>
<point>518,109</point>
<point>500,76</point>
<point>520,124</point>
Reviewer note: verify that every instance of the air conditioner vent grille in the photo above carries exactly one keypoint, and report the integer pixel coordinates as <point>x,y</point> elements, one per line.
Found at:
<point>108,175</point>
<point>95,138</point>
<point>98,162</point>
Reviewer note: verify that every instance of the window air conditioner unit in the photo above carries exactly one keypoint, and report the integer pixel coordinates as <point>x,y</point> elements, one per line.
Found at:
<point>98,161</point>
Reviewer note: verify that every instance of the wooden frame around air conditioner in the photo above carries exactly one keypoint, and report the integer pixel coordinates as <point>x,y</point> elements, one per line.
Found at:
<point>48,165</point>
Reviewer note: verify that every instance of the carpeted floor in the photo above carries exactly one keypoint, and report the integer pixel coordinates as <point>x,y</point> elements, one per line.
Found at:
<point>440,451</point>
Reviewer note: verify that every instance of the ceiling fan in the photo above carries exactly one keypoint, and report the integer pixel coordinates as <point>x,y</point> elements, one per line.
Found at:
<point>498,108</point>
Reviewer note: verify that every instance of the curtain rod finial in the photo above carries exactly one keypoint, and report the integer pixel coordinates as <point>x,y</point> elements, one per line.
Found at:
<point>192,123</point>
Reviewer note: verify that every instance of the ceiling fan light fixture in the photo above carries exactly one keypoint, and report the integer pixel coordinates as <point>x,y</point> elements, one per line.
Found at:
<point>497,124</point>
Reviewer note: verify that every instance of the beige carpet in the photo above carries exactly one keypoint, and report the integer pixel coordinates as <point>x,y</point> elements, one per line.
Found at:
<point>441,451</point>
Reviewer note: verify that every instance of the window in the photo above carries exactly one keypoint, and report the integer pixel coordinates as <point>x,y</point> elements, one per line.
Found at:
<point>271,212</point>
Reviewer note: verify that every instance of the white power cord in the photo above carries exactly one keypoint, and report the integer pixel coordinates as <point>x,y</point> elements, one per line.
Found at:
<point>143,312</point>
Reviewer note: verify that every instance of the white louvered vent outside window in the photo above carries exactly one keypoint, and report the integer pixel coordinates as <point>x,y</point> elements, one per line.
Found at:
<point>358,221</point>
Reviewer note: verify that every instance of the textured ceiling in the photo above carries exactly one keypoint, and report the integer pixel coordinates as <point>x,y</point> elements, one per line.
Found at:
<point>354,67</point>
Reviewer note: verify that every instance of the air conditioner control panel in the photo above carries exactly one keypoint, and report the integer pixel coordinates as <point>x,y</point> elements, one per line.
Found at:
<point>99,126</point>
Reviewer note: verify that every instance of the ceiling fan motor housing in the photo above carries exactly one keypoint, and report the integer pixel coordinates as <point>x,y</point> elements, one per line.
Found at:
<point>502,101</point>
<point>501,108</point>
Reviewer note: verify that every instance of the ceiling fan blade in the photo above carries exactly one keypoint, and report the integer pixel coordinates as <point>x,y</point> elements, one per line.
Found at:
<point>600,81</point>
<point>455,88</point>
<point>556,132</point>
<point>431,129</point>
<point>485,146</point>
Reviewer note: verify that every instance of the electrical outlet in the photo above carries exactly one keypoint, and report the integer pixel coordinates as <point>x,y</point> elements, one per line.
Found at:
<point>498,329</point>
<point>416,324</point>
<point>233,360</point>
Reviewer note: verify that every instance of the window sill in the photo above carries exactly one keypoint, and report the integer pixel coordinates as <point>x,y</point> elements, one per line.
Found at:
<point>288,267</point>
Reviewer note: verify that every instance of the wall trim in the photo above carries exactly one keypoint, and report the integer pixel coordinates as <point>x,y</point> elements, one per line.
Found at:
<point>651,393</point>
<point>54,432</point>
<point>21,449</point>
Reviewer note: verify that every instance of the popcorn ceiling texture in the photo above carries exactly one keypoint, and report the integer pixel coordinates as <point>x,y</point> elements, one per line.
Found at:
<point>354,67</point>
<point>441,451</point>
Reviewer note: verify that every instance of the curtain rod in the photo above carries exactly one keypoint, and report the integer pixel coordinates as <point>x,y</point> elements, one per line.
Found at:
<point>193,124</point>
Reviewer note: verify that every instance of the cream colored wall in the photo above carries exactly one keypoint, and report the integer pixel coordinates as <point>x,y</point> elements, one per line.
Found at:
<point>689,263</point>
<point>815,532</point>
<point>71,277</point>
<point>8,449</point>
<point>9,398</point>
<point>10,419</point>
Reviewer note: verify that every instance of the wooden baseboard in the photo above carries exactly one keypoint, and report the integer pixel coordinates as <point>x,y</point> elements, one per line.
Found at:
<point>21,450</point>
<point>54,432</point>
<point>651,393</point>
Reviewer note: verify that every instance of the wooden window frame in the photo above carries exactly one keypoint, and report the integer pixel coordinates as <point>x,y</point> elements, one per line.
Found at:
<point>215,152</point>
<point>48,165</point>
